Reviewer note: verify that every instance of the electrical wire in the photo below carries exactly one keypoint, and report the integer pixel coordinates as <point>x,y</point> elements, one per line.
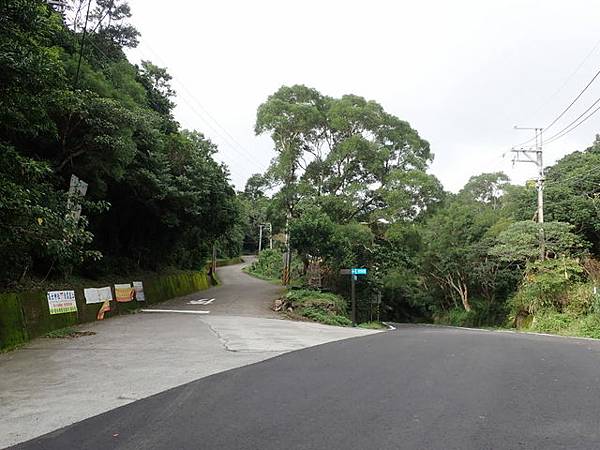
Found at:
<point>564,111</point>
<point>227,138</point>
<point>228,168</point>
<point>569,128</point>
<point>569,78</point>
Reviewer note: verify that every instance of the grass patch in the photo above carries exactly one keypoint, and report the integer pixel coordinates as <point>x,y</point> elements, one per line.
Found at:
<point>260,276</point>
<point>372,325</point>
<point>322,307</point>
<point>565,324</point>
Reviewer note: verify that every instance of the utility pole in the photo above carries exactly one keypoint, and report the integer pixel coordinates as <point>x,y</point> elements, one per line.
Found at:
<point>287,257</point>
<point>270,235</point>
<point>260,227</point>
<point>534,155</point>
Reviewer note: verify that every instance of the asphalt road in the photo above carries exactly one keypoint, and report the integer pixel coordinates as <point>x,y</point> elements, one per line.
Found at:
<point>415,388</point>
<point>52,383</point>
<point>238,294</point>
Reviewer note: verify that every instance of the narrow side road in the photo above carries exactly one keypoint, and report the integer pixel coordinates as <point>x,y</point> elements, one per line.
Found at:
<point>414,388</point>
<point>238,295</point>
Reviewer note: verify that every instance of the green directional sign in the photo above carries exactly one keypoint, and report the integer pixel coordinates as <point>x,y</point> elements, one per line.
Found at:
<point>359,271</point>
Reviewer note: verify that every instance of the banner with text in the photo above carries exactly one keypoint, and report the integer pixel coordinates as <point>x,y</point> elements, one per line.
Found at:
<point>60,302</point>
<point>139,291</point>
<point>124,292</point>
<point>97,295</point>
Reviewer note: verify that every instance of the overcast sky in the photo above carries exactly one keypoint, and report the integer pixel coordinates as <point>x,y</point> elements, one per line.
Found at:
<point>462,72</point>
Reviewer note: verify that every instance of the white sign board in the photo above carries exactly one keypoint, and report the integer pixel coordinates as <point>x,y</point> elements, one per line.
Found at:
<point>139,291</point>
<point>97,295</point>
<point>60,302</point>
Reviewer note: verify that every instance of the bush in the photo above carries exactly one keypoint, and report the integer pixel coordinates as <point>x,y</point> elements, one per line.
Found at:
<point>580,300</point>
<point>373,326</point>
<point>546,286</point>
<point>323,300</point>
<point>321,316</point>
<point>319,306</point>
<point>551,322</point>
<point>268,264</point>
<point>457,317</point>
<point>588,326</point>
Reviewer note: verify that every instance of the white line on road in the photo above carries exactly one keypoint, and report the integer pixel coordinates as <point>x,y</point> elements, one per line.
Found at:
<point>202,301</point>
<point>182,311</point>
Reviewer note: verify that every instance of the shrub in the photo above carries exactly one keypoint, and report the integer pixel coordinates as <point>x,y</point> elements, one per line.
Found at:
<point>269,264</point>
<point>322,300</point>
<point>323,307</point>
<point>546,285</point>
<point>457,317</point>
<point>551,322</point>
<point>588,326</point>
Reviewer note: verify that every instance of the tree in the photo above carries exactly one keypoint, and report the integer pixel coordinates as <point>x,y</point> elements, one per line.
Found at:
<point>487,188</point>
<point>156,196</point>
<point>520,242</point>
<point>312,234</point>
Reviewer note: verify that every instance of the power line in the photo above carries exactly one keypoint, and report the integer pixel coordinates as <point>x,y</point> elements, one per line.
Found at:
<point>228,168</point>
<point>564,111</point>
<point>227,138</point>
<point>569,78</point>
<point>573,102</point>
<point>569,128</point>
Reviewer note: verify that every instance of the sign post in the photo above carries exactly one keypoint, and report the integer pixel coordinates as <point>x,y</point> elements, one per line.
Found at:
<point>354,273</point>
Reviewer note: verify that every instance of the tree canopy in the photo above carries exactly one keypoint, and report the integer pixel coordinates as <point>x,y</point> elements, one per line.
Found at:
<point>156,195</point>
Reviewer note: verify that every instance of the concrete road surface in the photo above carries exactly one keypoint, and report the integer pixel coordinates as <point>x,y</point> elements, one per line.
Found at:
<point>415,388</point>
<point>51,383</point>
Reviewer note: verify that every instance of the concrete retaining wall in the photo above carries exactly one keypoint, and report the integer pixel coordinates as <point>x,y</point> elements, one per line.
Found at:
<point>25,315</point>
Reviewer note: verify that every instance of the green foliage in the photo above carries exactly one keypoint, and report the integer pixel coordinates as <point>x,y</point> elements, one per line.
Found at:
<point>268,264</point>
<point>156,196</point>
<point>319,306</point>
<point>312,233</point>
<point>520,241</point>
<point>372,326</point>
<point>363,161</point>
<point>546,285</point>
<point>456,317</point>
<point>487,188</point>
<point>551,322</point>
<point>318,315</point>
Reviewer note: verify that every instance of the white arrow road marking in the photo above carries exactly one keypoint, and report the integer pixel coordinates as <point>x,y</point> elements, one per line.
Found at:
<point>197,302</point>
<point>202,301</point>
<point>182,311</point>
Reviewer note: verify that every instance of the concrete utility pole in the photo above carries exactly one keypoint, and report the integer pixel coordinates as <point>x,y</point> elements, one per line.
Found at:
<point>270,235</point>
<point>260,227</point>
<point>534,155</point>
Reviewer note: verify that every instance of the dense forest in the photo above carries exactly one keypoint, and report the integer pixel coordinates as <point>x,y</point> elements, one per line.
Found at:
<point>72,104</point>
<point>349,182</point>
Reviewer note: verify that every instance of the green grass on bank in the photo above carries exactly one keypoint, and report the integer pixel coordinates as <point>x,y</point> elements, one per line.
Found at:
<point>565,324</point>
<point>260,276</point>
<point>322,307</point>
<point>373,325</point>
